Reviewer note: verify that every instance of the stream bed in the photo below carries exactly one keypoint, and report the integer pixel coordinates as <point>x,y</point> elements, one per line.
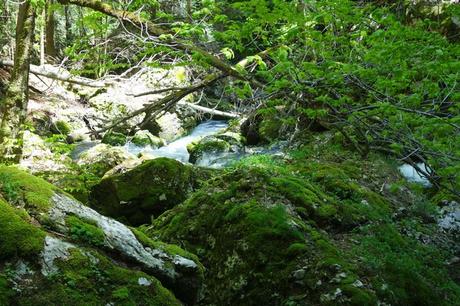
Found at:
<point>177,149</point>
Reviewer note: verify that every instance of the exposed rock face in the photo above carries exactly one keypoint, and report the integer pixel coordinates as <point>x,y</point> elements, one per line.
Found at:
<point>171,126</point>
<point>149,189</point>
<point>119,100</point>
<point>178,270</point>
<point>174,269</point>
<point>449,220</point>
<point>54,249</point>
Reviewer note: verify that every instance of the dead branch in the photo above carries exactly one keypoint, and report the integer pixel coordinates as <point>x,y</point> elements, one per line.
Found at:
<point>164,104</point>
<point>59,74</point>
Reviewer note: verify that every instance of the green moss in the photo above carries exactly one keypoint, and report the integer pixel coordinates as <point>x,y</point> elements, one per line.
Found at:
<point>246,239</point>
<point>61,127</point>
<point>88,278</point>
<point>412,273</point>
<point>114,139</point>
<point>327,211</point>
<point>359,296</point>
<point>85,230</point>
<point>20,187</point>
<point>17,236</point>
<point>6,293</point>
<point>296,249</point>
<point>145,138</point>
<point>208,144</point>
<point>142,142</point>
<point>269,129</point>
<point>121,294</point>
<point>151,188</point>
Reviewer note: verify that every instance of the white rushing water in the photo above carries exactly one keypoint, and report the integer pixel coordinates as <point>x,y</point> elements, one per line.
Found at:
<point>178,148</point>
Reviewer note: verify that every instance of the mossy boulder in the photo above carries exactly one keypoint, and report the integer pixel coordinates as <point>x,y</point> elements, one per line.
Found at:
<point>259,129</point>
<point>228,142</point>
<point>30,234</point>
<point>80,277</point>
<point>145,138</point>
<point>256,248</point>
<point>21,189</point>
<point>115,139</point>
<point>319,227</point>
<point>145,191</point>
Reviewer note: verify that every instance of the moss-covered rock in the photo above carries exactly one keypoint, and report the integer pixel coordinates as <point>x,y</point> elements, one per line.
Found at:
<point>250,239</point>
<point>61,127</point>
<point>6,292</point>
<point>228,142</point>
<point>28,233</point>
<point>82,277</point>
<point>319,227</point>
<point>22,189</point>
<point>18,238</point>
<point>85,230</point>
<point>260,128</point>
<point>102,158</point>
<point>114,139</point>
<point>145,138</point>
<point>147,190</point>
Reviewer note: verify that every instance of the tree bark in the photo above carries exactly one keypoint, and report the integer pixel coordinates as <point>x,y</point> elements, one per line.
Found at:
<point>50,47</point>
<point>210,111</point>
<point>13,108</point>
<point>68,26</point>
<point>42,40</point>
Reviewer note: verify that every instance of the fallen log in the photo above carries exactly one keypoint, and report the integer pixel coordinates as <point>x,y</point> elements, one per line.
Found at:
<point>59,74</point>
<point>210,110</point>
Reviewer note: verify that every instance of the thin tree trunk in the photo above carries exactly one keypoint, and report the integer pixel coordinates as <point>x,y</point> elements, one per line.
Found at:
<point>42,39</point>
<point>189,11</point>
<point>50,47</point>
<point>13,108</point>
<point>68,26</point>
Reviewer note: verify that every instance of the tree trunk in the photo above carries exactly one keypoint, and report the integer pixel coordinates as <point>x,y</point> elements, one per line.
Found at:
<point>189,11</point>
<point>13,108</point>
<point>50,47</point>
<point>42,39</point>
<point>68,26</point>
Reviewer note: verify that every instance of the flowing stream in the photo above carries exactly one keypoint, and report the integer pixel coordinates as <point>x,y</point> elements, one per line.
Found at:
<point>178,148</point>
